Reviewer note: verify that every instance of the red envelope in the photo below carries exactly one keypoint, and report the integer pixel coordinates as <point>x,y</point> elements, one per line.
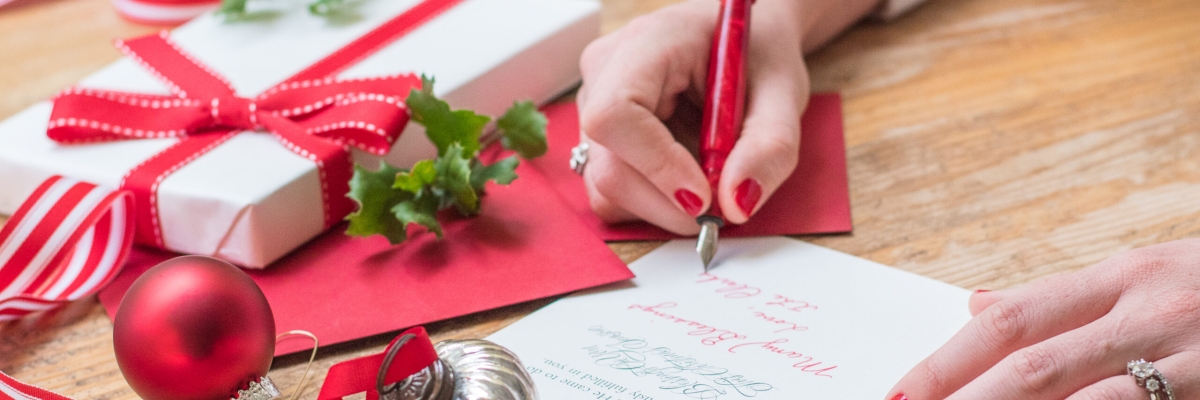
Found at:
<point>525,245</point>
<point>815,199</point>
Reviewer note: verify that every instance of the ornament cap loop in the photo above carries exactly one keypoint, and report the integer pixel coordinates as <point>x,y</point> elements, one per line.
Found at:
<point>387,363</point>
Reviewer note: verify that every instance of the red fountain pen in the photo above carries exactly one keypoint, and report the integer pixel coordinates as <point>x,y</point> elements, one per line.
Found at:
<point>723,109</point>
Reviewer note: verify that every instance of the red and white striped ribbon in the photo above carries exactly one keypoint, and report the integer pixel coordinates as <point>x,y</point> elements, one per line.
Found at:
<point>65,243</point>
<point>10,389</point>
<point>163,12</point>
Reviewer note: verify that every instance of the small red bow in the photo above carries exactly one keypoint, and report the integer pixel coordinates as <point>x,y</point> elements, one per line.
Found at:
<point>365,113</point>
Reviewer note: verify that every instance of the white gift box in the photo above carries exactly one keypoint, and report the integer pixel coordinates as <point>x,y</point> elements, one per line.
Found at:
<point>251,201</point>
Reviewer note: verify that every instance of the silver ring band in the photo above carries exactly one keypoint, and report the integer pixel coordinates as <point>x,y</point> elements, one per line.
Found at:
<point>579,157</point>
<point>1151,379</point>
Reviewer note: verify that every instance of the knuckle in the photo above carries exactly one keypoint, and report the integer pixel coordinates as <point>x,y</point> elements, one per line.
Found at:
<point>642,25</point>
<point>657,169</point>
<point>783,150</point>
<point>605,210</point>
<point>593,55</point>
<point>1036,368</point>
<point>1178,307</point>
<point>933,377</point>
<point>782,137</point>
<point>776,153</point>
<point>1006,322</point>
<point>608,115</point>
<point>1142,265</point>
<point>606,180</point>
<point>598,115</point>
<point>599,205</point>
<point>1145,259</point>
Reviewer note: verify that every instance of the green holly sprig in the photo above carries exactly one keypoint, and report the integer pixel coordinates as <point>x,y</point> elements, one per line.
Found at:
<point>391,199</point>
<point>237,8</point>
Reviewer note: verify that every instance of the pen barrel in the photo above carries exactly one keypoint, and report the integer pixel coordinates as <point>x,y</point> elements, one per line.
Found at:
<point>725,101</point>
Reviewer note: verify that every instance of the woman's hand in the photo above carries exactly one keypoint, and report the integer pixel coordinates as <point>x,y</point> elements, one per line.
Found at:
<point>654,69</point>
<point>637,77</point>
<point>1072,335</point>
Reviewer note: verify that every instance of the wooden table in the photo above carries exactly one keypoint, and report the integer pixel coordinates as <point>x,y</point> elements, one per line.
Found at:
<point>990,143</point>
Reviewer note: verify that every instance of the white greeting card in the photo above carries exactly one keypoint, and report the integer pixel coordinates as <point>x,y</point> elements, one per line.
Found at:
<point>776,318</point>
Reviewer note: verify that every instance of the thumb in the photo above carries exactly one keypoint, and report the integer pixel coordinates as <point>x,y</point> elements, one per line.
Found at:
<point>767,153</point>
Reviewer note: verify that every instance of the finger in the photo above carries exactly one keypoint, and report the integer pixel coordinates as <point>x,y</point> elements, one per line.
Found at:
<point>1059,366</point>
<point>594,58</point>
<point>605,209</point>
<point>1179,370</point>
<point>1115,388</point>
<point>1126,269</point>
<point>626,101</point>
<point>597,54</point>
<point>1023,317</point>
<point>620,186</point>
<point>982,299</point>
<point>767,153</point>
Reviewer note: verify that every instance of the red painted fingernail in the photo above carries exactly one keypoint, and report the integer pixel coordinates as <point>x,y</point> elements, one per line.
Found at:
<point>690,202</point>
<point>900,396</point>
<point>982,291</point>
<point>747,195</point>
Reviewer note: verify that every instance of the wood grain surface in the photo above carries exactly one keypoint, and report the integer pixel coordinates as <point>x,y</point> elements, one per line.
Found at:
<point>990,143</point>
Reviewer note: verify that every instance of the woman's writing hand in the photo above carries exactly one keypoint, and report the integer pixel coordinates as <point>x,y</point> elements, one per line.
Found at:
<point>1072,335</point>
<point>654,70</point>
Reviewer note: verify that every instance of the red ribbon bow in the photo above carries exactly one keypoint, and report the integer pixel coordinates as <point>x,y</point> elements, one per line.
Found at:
<point>312,114</point>
<point>365,113</point>
<point>317,118</point>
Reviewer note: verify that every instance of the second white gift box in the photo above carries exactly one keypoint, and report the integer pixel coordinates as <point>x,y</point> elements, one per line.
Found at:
<point>251,201</point>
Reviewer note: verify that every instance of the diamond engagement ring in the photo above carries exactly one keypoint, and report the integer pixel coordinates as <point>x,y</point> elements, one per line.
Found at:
<point>1149,378</point>
<point>579,157</point>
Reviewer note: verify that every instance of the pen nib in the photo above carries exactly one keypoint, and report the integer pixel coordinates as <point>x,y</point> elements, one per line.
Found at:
<point>706,244</point>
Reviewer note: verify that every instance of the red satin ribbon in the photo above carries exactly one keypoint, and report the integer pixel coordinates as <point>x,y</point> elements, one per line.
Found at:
<point>358,375</point>
<point>311,113</point>
<point>11,389</point>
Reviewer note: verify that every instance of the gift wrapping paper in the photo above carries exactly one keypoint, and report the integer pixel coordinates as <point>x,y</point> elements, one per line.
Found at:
<point>251,201</point>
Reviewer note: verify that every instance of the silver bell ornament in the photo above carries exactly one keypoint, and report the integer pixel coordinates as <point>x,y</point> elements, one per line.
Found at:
<point>466,370</point>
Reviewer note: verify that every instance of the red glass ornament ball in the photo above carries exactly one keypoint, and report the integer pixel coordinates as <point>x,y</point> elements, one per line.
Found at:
<point>193,328</point>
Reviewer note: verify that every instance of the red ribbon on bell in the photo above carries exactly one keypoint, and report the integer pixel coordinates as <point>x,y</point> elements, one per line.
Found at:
<point>407,354</point>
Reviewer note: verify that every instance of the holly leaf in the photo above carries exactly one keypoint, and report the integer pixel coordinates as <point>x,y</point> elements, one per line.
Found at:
<point>325,7</point>
<point>502,172</point>
<point>523,129</point>
<point>423,173</point>
<point>454,176</point>
<point>232,7</point>
<point>420,210</point>
<point>392,199</point>
<point>373,192</point>
<point>236,9</point>
<point>443,126</point>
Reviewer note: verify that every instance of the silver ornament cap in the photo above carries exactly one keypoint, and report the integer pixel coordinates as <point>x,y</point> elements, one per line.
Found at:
<point>262,389</point>
<point>468,370</point>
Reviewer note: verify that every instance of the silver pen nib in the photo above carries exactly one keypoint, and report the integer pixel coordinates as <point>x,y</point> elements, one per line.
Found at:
<point>706,244</point>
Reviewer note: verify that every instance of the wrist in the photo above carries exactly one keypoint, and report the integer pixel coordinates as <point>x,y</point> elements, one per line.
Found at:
<point>819,21</point>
